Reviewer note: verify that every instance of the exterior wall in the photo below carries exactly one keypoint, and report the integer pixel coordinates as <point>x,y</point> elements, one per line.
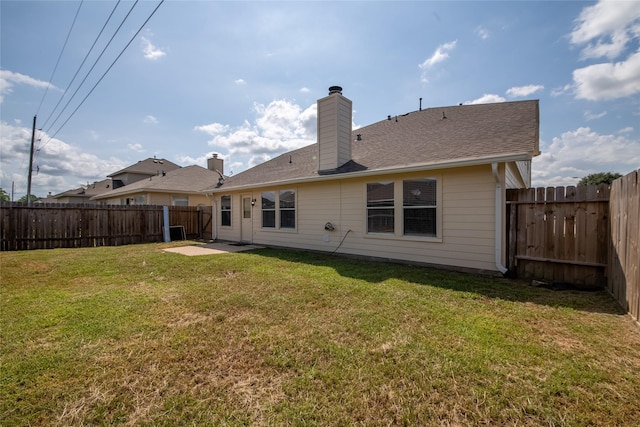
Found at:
<point>518,174</point>
<point>130,178</point>
<point>465,217</point>
<point>159,199</point>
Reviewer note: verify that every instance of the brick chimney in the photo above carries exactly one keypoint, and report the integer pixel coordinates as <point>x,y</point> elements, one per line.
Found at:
<point>215,164</point>
<point>334,130</point>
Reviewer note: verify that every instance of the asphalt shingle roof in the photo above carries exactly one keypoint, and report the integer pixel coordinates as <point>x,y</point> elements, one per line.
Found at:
<point>189,179</point>
<point>150,166</point>
<point>420,138</point>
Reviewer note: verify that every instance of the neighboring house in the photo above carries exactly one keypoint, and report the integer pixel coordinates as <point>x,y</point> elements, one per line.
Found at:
<point>79,195</point>
<point>425,187</point>
<point>178,187</point>
<point>144,169</point>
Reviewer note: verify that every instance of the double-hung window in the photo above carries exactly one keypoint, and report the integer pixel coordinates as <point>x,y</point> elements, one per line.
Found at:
<point>268,209</point>
<point>279,209</point>
<point>180,200</point>
<point>380,207</point>
<point>225,210</point>
<point>287,208</point>
<point>419,207</point>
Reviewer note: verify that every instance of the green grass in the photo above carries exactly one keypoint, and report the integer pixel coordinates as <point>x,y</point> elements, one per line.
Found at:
<point>135,335</point>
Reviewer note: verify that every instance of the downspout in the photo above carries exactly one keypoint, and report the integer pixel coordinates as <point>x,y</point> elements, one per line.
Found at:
<point>214,227</point>
<point>214,218</point>
<point>499,221</point>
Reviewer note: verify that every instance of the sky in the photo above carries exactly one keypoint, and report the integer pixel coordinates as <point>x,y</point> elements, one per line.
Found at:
<point>112,83</point>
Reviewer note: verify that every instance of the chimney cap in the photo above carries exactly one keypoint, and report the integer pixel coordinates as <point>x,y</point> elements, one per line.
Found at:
<point>335,89</point>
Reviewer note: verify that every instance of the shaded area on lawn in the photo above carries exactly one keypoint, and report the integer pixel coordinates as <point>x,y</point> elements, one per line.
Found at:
<point>375,271</point>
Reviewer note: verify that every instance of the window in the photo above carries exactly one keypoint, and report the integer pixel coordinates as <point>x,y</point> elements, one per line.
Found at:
<point>419,206</point>
<point>269,209</point>
<point>287,205</point>
<point>180,200</point>
<point>246,208</point>
<point>380,207</point>
<point>136,200</point>
<point>225,210</point>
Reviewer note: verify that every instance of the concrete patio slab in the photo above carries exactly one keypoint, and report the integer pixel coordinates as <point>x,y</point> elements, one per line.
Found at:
<point>210,249</point>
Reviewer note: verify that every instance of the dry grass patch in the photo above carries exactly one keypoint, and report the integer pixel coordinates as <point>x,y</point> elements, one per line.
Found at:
<point>137,336</point>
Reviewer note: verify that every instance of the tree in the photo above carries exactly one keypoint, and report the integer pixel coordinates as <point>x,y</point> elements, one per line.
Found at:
<point>23,199</point>
<point>599,178</point>
<point>4,197</point>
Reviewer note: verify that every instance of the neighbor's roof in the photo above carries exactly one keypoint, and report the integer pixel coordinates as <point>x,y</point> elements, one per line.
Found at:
<point>150,166</point>
<point>190,179</point>
<point>424,139</point>
<point>89,190</point>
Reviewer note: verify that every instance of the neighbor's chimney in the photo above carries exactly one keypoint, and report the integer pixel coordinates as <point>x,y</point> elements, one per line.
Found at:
<point>334,130</point>
<point>215,164</point>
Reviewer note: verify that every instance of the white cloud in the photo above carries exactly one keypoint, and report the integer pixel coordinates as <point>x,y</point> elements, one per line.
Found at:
<point>136,147</point>
<point>260,158</point>
<point>605,30</point>
<point>482,32</point>
<point>520,91</point>
<point>628,129</point>
<point>440,54</point>
<point>240,82</point>
<point>149,119</point>
<point>279,127</point>
<point>582,152</point>
<point>561,90</point>
<point>55,161</point>
<point>608,80</point>
<point>487,98</point>
<point>612,24</point>
<point>150,51</point>
<point>588,115</point>
<point>8,79</point>
<point>305,90</point>
<point>213,128</point>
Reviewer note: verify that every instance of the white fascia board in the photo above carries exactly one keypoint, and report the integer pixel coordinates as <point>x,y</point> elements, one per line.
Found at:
<point>473,161</point>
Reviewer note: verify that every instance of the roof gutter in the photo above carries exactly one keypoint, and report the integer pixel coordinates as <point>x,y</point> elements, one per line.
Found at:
<point>499,217</point>
<point>475,161</point>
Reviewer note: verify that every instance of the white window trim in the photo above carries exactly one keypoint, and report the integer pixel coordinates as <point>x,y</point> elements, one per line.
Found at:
<point>278,228</point>
<point>398,207</point>
<point>230,210</point>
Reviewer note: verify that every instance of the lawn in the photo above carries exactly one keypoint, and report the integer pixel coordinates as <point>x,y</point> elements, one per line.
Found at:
<point>137,336</point>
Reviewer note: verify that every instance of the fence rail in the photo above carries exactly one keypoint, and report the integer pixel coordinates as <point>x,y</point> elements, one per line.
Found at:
<point>57,225</point>
<point>559,234</point>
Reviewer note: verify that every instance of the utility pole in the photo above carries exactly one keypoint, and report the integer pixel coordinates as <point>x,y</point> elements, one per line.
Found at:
<point>33,138</point>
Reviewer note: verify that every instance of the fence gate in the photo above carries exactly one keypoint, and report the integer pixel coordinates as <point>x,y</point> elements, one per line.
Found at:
<point>559,234</point>
<point>206,222</point>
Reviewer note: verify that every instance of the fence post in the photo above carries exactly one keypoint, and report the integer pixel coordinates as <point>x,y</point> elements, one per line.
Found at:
<point>165,227</point>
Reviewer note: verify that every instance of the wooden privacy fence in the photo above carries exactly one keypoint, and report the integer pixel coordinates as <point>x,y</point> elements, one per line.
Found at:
<point>57,225</point>
<point>559,234</point>
<point>624,256</point>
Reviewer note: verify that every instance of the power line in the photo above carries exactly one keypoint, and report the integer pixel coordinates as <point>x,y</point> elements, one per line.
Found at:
<point>92,67</point>
<point>106,72</point>
<point>60,56</point>
<point>81,65</point>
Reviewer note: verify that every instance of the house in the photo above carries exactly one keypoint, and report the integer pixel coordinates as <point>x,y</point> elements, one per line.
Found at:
<point>144,169</point>
<point>177,187</point>
<point>82,194</point>
<point>425,187</point>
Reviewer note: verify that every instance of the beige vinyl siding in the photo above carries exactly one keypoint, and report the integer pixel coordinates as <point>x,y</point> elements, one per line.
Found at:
<point>518,174</point>
<point>231,233</point>
<point>466,220</point>
<point>161,199</point>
